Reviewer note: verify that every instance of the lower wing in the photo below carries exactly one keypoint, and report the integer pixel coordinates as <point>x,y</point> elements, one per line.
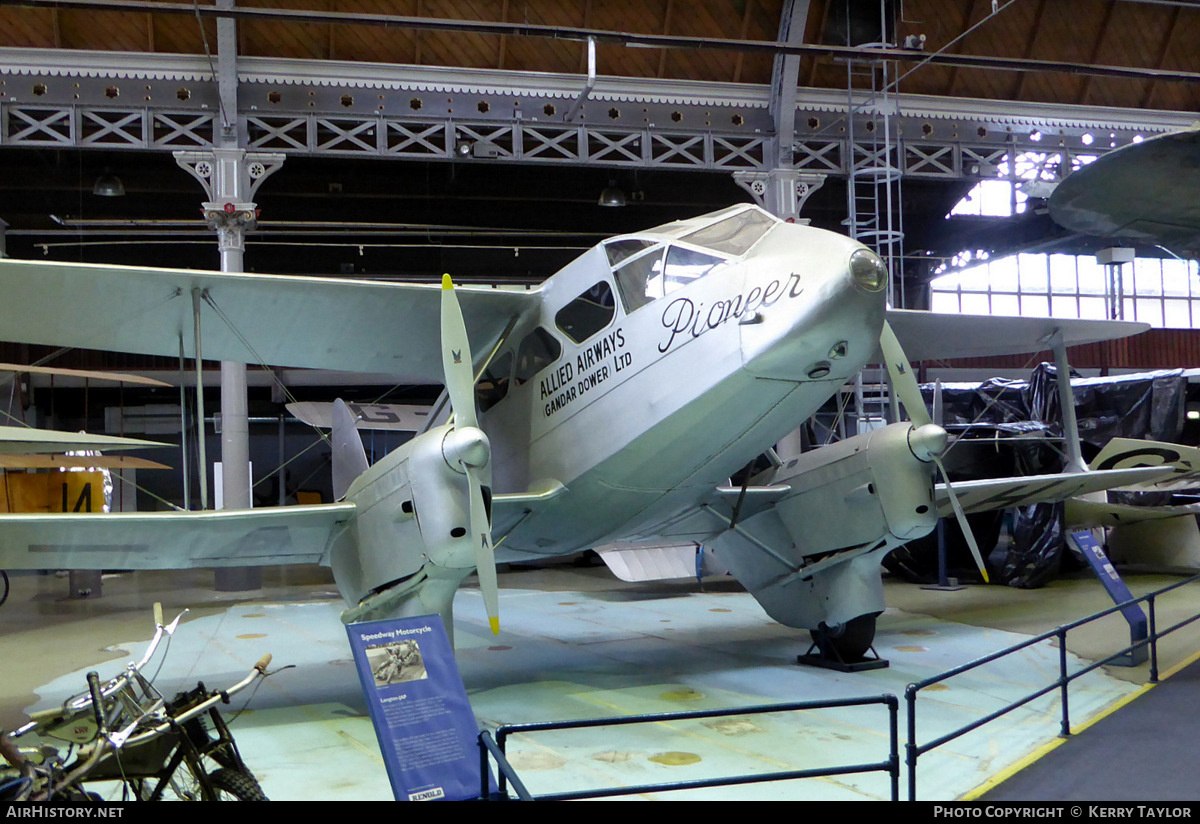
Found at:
<point>171,540</point>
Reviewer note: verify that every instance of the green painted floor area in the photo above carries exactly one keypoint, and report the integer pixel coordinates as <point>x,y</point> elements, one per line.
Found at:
<point>572,647</point>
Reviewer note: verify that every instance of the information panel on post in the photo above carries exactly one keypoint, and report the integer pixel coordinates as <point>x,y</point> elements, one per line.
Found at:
<point>425,725</point>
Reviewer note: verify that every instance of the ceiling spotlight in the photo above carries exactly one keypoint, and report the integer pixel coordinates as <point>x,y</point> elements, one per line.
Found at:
<point>463,148</point>
<point>612,195</point>
<point>108,185</point>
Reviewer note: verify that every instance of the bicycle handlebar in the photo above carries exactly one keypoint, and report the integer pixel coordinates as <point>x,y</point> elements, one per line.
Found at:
<point>80,702</point>
<point>131,736</point>
<point>153,716</point>
<point>93,680</point>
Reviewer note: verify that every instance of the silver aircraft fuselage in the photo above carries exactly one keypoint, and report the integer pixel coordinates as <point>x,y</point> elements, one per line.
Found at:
<point>670,399</point>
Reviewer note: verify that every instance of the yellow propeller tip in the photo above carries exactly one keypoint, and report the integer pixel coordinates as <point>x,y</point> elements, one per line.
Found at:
<point>447,283</point>
<point>985,578</point>
<point>495,625</point>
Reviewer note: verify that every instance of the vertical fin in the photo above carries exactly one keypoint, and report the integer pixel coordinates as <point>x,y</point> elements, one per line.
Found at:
<point>349,457</point>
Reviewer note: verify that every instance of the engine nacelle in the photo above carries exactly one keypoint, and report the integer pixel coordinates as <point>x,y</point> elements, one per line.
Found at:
<point>413,511</point>
<point>882,493</point>
<point>874,481</point>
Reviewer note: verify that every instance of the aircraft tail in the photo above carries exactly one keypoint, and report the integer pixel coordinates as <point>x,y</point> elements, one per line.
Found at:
<point>1124,453</point>
<point>349,457</point>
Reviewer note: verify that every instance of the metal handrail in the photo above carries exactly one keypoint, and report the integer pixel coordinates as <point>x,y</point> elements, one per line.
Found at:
<point>506,772</point>
<point>913,751</point>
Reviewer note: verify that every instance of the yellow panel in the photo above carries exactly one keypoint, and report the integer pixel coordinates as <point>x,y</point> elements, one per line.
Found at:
<point>76,491</point>
<point>27,492</point>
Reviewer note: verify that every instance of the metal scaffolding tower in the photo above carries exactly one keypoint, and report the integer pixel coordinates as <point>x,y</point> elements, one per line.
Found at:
<point>874,178</point>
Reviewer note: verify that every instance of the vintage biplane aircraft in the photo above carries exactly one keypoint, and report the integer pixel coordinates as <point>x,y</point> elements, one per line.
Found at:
<point>25,440</point>
<point>26,447</point>
<point>612,403</point>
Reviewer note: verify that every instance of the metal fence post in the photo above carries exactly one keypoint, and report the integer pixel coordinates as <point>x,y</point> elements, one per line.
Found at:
<point>910,749</point>
<point>893,705</point>
<point>483,767</point>
<point>1065,730</point>
<point>1153,642</point>
<point>501,778</point>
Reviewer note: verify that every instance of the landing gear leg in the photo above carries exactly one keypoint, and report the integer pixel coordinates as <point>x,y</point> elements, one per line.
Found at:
<point>844,647</point>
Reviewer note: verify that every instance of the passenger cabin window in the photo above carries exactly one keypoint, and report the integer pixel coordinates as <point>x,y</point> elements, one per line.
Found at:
<point>493,384</point>
<point>733,235</point>
<point>656,274</point>
<point>587,314</point>
<point>538,350</point>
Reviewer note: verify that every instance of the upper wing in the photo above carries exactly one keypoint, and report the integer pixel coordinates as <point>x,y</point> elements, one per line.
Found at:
<point>24,440</point>
<point>347,325</point>
<point>935,335</point>
<point>171,540</point>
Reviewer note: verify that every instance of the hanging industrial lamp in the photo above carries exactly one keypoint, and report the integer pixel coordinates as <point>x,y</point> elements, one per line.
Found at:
<point>612,195</point>
<point>108,185</point>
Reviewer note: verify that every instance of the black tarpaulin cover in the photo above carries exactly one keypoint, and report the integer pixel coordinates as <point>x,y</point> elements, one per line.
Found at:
<point>997,423</point>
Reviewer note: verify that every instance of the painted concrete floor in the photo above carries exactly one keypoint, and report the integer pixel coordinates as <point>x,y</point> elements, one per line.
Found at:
<point>577,644</point>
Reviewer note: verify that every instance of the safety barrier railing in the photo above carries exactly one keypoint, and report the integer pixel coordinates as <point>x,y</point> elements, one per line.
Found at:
<point>913,750</point>
<point>506,774</point>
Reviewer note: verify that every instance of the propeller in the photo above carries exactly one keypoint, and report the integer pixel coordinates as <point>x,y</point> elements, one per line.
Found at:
<point>466,447</point>
<point>926,439</point>
<point>349,457</point>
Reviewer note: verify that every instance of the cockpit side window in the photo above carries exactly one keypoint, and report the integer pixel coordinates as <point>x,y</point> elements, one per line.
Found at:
<point>636,280</point>
<point>655,275</point>
<point>685,265</point>
<point>588,313</point>
<point>733,235</point>
<point>493,384</point>
<point>538,350</point>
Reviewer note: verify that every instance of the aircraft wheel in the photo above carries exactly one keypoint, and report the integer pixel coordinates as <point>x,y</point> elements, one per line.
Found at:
<point>847,642</point>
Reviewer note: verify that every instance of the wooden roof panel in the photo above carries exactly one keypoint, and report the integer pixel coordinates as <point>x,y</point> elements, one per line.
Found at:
<point>180,34</point>
<point>32,28</point>
<point>1103,32</point>
<point>125,32</point>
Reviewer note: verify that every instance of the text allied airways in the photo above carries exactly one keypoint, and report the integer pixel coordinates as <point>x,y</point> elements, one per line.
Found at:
<point>594,365</point>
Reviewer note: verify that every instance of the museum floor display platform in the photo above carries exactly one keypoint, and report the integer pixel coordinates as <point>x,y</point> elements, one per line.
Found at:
<point>574,643</point>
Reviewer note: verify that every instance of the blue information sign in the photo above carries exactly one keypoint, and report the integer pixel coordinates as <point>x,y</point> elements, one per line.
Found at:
<point>1085,542</point>
<point>427,731</point>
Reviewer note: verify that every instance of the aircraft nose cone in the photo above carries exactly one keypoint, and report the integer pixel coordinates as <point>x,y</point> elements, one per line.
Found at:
<point>927,442</point>
<point>466,446</point>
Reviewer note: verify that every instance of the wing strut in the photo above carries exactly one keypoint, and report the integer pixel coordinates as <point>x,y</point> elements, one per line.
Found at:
<point>203,459</point>
<point>183,444</point>
<point>1066,402</point>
